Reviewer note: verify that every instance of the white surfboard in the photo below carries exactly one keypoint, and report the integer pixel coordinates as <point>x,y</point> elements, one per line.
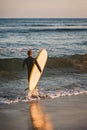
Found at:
<point>35,73</point>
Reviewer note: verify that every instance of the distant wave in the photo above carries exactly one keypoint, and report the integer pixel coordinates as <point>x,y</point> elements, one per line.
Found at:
<point>38,29</point>
<point>75,61</point>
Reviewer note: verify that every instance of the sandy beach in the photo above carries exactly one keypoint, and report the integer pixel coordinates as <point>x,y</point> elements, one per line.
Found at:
<point>64,113</point>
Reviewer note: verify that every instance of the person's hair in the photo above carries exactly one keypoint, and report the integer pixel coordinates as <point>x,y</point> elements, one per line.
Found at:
<point>29,53</point>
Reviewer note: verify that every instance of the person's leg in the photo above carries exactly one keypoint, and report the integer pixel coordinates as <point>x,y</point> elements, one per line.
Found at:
<point>35,93</point>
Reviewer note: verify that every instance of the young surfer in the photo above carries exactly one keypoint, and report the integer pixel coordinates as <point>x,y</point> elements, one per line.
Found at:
<point>29,62</point>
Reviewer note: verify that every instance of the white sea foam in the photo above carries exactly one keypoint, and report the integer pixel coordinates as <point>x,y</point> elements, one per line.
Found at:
<point>42,95</point>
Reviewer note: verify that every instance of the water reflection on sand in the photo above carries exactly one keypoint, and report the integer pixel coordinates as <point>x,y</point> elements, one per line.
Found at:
<point>40,120</point>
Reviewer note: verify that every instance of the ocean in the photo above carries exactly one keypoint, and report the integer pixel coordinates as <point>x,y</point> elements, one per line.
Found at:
<point>65,73</point>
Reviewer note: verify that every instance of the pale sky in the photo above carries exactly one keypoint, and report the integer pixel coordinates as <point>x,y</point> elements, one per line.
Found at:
<point>43,8</point>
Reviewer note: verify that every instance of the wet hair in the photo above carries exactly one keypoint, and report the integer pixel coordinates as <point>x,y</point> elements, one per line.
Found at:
<point>29,53</point>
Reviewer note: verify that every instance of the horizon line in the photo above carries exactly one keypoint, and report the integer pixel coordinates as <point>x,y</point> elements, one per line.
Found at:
<point>43,17</point>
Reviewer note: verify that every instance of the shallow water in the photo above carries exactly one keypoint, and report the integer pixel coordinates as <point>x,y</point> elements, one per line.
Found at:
<point>54,83</point>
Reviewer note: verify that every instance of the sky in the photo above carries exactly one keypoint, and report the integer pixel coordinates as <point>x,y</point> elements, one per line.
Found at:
<point>43,8</point>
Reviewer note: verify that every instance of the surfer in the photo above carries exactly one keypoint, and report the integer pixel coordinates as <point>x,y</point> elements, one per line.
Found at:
<point>29,62</point>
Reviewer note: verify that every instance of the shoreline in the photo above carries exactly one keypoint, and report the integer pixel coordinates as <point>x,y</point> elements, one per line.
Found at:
<point>64,113</point>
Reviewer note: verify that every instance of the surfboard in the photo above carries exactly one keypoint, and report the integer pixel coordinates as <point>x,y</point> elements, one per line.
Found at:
<point>35,73</point>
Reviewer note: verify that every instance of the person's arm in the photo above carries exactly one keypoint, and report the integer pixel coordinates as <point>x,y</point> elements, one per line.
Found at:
<point>38,65</point>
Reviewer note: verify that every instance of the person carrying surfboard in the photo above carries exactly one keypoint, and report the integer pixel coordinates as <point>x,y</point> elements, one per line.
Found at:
<point>29,62</point>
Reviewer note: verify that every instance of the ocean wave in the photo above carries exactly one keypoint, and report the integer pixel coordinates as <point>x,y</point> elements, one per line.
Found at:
<point>76,61</point>
<point>43,29</point>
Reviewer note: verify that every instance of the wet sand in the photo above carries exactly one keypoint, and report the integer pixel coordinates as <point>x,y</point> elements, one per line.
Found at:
<point>64,113</point>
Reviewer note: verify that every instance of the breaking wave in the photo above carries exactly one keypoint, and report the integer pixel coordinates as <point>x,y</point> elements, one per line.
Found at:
<point>75,61</point>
